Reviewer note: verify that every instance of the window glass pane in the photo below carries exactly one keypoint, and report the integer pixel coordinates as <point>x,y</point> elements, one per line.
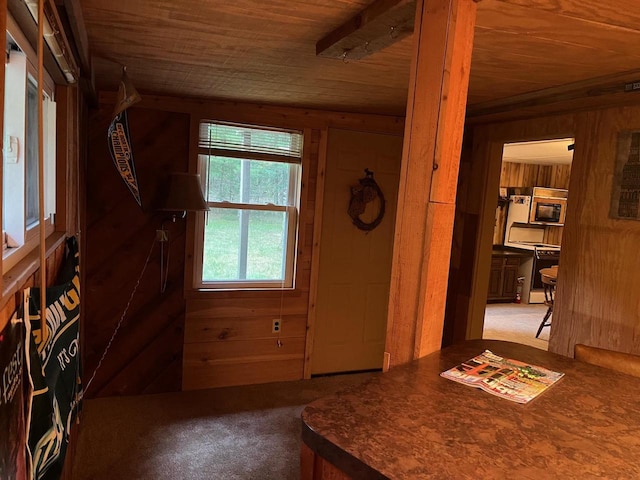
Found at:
<point>224,179</point>
<point>31,174</point>
<point>221,250</point>
<point>244,245</point>
<point>248,181</point>
<point>266,245</point>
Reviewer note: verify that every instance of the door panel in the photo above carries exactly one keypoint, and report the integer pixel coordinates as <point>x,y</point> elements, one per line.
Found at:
<point>355,266</point>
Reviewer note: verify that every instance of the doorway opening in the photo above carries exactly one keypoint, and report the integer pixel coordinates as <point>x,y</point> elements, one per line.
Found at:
<point>527,239</point>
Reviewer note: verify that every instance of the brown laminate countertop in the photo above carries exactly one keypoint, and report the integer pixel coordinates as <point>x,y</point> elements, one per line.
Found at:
<point>511,252</point>
<point>410,423</point>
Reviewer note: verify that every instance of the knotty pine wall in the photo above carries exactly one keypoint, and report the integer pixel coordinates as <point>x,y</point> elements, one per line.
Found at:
<point>531,175</point>
<point>228,335</point>
<point>146,355</point>
<point>184,338</point>
<point>597,299</point>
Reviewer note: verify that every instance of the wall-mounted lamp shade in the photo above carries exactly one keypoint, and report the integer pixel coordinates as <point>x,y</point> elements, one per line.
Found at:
<point>184,194</point>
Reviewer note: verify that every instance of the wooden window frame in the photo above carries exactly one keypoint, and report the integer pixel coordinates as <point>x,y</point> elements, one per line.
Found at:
<point>30,240</point>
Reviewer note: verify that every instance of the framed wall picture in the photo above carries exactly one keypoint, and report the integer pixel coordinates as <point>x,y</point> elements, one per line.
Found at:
<point>625,194</point>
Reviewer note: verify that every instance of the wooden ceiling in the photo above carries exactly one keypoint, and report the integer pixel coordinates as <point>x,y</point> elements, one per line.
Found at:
<point>264,51</point>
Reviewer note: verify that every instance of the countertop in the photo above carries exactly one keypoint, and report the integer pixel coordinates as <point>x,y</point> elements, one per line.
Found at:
<point>511,252</point>
<point>410,423</point>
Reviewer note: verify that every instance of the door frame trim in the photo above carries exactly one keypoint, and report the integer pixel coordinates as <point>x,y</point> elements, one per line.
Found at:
<point>315,251</point>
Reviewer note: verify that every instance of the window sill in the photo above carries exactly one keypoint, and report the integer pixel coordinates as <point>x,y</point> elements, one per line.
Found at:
<point>17,276</point>
<point>204,293</point>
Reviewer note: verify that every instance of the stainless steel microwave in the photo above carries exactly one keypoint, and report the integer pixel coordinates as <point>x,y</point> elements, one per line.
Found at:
<point>548,206</point>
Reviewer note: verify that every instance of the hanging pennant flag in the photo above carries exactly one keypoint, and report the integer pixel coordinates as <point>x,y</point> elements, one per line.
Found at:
<point>119,139</point>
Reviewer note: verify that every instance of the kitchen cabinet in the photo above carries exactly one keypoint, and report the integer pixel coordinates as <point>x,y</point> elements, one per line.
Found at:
<point>503,277</point>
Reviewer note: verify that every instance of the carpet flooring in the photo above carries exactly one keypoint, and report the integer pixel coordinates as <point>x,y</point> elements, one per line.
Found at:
<point>243,433</point>
<point>516,323</point>
<point>236,433</point>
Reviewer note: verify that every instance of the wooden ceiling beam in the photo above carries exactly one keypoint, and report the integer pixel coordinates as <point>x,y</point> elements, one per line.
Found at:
<point>378,26</point>
<point>619,88</point>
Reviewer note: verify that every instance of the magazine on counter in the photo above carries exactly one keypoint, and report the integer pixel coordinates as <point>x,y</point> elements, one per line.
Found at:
<point>503,377</point>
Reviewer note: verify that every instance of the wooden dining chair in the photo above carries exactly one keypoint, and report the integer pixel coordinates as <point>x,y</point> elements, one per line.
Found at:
<point>618,361</point>
<point>549,285</point>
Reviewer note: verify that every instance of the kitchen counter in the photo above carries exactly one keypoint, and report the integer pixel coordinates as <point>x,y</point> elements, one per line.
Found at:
<point>410,423</point>
<point>510,251</point>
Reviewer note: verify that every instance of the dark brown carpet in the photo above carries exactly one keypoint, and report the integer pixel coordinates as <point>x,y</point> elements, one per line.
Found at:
<point>250,432</point>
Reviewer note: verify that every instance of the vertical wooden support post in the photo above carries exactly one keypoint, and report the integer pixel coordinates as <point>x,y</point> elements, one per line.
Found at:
<point>431,156</point>
<point>3,28</point>
<point>41,181</point>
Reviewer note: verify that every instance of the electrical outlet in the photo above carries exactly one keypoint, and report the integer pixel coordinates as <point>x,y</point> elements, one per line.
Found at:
<point>276,327</point>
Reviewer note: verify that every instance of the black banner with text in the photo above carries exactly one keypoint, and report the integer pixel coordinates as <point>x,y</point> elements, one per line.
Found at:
<point>12,421</point>
<point>53,357</point>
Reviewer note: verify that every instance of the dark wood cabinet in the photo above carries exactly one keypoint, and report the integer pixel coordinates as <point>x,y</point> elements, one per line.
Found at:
<point>503,278</point>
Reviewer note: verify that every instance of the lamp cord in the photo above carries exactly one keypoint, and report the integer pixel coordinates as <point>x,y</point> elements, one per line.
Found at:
<point>164,266</point>
<point>122,317</point>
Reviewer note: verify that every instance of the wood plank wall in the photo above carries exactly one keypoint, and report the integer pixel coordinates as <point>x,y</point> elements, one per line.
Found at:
<point>597,297</point>
<point>531,175</point>
<point>228,335</point>
<point>146,355</point>
<point>597,300</point>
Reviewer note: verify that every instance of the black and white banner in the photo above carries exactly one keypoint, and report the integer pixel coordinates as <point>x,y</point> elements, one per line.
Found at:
<point>12,423</point>
<point>121,153</point>
<point>53,359</point>
<point>119,138</point>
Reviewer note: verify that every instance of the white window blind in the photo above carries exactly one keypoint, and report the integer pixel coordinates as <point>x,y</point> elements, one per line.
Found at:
<point>231,140</point>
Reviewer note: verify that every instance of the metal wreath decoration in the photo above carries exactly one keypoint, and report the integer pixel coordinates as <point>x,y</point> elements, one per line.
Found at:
<point>366,191</point>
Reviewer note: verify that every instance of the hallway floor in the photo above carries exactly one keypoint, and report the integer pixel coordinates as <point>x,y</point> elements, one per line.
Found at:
<point>516,323</point>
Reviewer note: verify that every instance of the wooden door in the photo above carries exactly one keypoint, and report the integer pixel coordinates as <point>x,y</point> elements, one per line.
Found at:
<point>355,266</point>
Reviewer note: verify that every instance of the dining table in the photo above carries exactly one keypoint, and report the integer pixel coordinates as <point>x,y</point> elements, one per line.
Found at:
<point>411,423</point>
<point>551,272</point>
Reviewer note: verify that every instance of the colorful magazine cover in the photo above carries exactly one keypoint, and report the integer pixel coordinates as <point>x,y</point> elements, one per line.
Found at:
<point>503,377</point>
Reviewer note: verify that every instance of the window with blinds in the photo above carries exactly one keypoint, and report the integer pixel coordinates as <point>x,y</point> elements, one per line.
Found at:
<point>243,139</point>
<point>252,187</point>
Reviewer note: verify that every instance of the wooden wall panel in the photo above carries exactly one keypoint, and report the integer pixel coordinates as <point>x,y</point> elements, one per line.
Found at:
<point>229,339</point>
<point>597,302</point>
<point>119,236</point>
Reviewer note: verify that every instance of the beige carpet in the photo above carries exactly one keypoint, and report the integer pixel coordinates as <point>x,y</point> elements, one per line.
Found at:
<point>516,323</point>
<point>242,433</point>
